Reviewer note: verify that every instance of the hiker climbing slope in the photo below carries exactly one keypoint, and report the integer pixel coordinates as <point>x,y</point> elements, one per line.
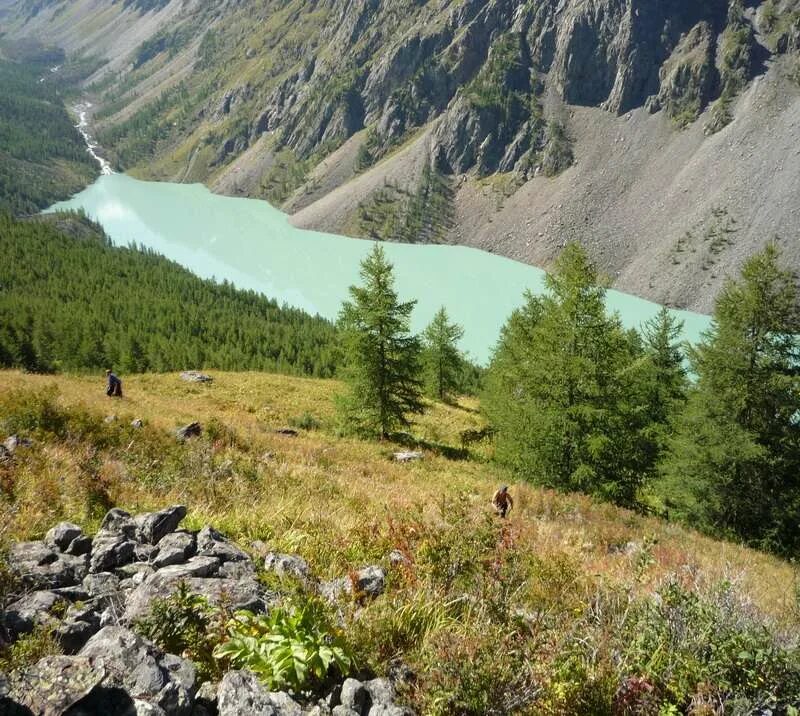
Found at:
<point>114,389</point>
<point>502,502</point>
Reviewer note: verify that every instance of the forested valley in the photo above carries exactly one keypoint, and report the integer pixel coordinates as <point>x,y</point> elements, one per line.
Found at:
<point>70,301</point>
<point>42,155</point>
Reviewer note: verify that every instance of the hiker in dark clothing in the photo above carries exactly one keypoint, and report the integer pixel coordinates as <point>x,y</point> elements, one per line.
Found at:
<point>114,389</point>
<point>502,502</point>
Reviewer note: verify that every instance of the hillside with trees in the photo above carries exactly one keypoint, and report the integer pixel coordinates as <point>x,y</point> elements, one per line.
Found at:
<point>71,301</point>
<point>510,127</point>
<point>43,157</point>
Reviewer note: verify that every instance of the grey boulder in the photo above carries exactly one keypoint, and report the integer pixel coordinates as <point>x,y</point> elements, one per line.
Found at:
<point>175,548</point>
<point>117,522</point>
<point>110,552</point>
<point>55,684</point>
<point>80,546</point>
<point>140,670</point>
<point>290,565</point>
<point>38,566</point>
<point>60,536</point>
<point>211,543</point>
<point>192,430</point>
<point>31,610</point>
<point>367,582</point>
<point>241,693</point>
<point>154,526</point>
<point>354,696</point>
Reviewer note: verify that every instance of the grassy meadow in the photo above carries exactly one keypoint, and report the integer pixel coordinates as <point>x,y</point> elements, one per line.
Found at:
<point>569,606</point>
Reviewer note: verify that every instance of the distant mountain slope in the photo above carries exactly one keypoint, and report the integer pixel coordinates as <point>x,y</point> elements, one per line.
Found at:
<point>505,125</point>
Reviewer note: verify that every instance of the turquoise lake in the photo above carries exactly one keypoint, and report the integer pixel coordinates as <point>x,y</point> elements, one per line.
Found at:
<point>254,246</point>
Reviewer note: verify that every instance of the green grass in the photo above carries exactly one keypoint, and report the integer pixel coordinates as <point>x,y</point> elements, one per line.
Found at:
<point>553,611</point>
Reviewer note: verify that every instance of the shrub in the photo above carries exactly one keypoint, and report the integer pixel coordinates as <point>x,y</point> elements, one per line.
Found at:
<point>28,649</point>
<point>689,647</point>
<point>306,421</point>
<point>39,411</point>
<point>185,623</point>
<point>292,647</point>
<point>479,674</point>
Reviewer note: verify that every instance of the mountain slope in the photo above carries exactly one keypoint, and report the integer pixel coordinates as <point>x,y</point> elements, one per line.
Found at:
<point>568,607</point>
<point>465,121</point>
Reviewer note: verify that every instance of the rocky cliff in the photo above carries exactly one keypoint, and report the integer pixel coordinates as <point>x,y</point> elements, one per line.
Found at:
<point>379,118</point>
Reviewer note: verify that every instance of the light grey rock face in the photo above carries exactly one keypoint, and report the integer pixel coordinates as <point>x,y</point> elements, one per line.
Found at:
<point>32,609</point>
<point>689,77</point>
<point>389,710</point>
<point>60,536</point>
<point>152,527</point>
<point>354,695</point>
<point>175,548</point>
<point>142,671</point>
<point>241,693</point>
<point>211,543</point>
<point>38,566</point>
<point>284,704</point>
<point>381,692</point>
<point>342,710</point>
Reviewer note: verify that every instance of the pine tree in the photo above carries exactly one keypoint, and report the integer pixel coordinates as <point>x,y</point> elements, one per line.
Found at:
<point>442,360</point>
<point>734,464</point>
<point>666,377</point>
<point>562,389</point>
<point>381,355</point>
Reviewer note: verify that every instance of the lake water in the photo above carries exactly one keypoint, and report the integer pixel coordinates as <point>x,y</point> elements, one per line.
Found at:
<point>254,246</point>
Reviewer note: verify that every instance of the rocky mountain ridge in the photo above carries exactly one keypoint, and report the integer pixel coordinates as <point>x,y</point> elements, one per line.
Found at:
<point>442,121</point>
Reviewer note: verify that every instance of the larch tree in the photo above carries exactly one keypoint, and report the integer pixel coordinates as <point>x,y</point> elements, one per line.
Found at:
<point>442,360</point>
<point>563,389</point>
<point>734,462</point>
<point>381,356</point>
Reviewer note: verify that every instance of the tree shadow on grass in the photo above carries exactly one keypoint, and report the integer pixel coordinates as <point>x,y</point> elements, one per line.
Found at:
<point>446,451</point>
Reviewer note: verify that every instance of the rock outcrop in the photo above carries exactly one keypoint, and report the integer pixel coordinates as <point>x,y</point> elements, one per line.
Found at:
<point>92,601</point>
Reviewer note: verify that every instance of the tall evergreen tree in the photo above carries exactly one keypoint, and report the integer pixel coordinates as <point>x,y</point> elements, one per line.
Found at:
<point>562,389</point>
<point>665,379</point>
<point>443,362</point>
<point>734,464</point>
<point>381,356</point>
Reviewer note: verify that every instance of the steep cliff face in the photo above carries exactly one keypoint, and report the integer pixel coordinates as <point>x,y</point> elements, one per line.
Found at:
<point>335,107</point>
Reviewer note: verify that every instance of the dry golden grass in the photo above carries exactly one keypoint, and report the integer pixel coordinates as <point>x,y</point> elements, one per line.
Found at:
<point>339,501</point>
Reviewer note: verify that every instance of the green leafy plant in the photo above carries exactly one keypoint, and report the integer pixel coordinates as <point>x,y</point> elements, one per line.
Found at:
<point>292,647</point>
<point>185,623</point>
